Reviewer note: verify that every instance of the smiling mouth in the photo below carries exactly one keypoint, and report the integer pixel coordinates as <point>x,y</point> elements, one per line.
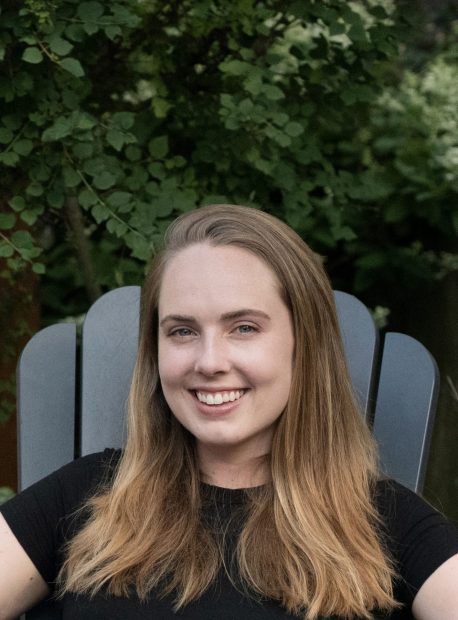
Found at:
<point>218,398</point>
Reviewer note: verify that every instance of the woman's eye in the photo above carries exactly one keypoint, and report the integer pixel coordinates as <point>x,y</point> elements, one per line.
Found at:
<point>181,332</point>
<point>246,329</point>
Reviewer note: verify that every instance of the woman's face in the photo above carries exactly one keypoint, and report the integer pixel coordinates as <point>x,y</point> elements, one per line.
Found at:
<point>225,347</point>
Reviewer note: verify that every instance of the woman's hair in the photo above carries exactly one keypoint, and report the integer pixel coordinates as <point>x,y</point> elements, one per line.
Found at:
<point>311,537</point>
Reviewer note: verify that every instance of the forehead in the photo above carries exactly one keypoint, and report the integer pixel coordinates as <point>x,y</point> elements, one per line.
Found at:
<point>203,274</point>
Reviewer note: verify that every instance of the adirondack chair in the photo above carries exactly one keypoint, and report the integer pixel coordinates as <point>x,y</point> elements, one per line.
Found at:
<point>72,402</point>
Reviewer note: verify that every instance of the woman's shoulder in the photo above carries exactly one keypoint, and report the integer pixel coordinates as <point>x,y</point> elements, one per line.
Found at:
<point>418,536</point>
<point>407,515</point>
<point>86,471</point>
<point>401,506</point>
<point>68,487</point>
<point>46,514</point>
<point>90,466</point>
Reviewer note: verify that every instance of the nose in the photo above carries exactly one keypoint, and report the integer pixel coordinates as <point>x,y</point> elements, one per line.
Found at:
<point>212,356</point>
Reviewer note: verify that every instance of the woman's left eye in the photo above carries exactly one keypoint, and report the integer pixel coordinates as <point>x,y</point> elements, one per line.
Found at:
<point>182,332</point>
<point>246,329</point>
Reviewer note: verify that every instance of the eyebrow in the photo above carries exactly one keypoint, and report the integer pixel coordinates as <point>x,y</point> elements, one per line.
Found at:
<point>227,316</point>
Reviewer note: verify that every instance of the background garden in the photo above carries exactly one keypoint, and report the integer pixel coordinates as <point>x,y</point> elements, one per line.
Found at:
<point>339,117</point>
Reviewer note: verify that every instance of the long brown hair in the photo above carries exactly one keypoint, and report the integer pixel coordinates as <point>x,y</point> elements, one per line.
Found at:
<point>311,536</point>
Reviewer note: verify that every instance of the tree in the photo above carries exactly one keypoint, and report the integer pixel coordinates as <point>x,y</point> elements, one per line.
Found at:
<point>117,116</point>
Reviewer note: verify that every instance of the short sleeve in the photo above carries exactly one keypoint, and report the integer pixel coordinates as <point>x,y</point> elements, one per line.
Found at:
<point>40,516</point>
<point>418,536</point>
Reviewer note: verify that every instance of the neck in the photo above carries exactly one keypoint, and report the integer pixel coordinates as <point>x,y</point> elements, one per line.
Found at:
<point>223,468</point>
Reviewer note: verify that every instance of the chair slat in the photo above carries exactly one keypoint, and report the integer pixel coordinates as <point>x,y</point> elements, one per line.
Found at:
<point>405,409</point>
<point>109,347</point>
<point>360,340</point>
<point>46,402</point>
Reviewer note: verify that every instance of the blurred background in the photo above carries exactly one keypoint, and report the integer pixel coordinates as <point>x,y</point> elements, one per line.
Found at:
<point>341,118</point>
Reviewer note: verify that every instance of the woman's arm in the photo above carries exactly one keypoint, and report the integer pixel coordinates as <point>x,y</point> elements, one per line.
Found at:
<point>21,585</point>
<point>437,599</point>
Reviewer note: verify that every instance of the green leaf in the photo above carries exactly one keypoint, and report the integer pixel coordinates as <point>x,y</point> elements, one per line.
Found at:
<point>6,250</point>
<point>112,32</point>
<point>7,220</point>
<point>133,153</point>
<point>23,147</point>
<point>29,217</point>
<point>38,268</point>
<point>124,120</point>
<point>115,138</point>
<point>253,84</point>
<point>138,178</point>
<point>91,27</point>
<point>39,171</point>
<point>12,121</point>
<point>100,213</point>
<point>160,107</point>
<point>104,180</point>
<point>32,55</point>
<point>84,121</point>
<point>273,93</point>
<point>9,159</point>
<point>119,199</point>
<point>38,118</point>
<point>116,227</point>
<point>60,46</point>
<point>75,32</point>
<point>157,170</point>
<point>17,203</point>
<point>140,247</point>
<point>280,118</point>
<point>83,150</point>
<point>30,39</point>
<point>6,135</point>
<point>87,198</point>
<point>159,147</point>
<point>55,198</point>
<point>294,129</point>
<point>89,11</point>
<point>61,128</point>
<point>23,83</point>
<point>71,177</point>
<point>22,239</point>
<point>235,67</point>
<point>73,66</point>
<point>34,189</point>
<point>15,264</point>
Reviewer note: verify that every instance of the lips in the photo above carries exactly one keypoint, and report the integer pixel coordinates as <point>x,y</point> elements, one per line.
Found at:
<point>218,398</point>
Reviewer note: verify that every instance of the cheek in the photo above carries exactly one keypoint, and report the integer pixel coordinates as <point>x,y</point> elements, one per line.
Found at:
<point>172,364</point>
<point>167,367</point>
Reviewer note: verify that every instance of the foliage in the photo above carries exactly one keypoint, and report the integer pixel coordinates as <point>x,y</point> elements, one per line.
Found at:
<point>120,115</point>
<point>5,494</point>
<point>412,157</point>
<point>15,305</point>
<point>140,111</point>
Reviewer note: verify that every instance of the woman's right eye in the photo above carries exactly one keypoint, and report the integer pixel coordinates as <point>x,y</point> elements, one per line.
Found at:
<point>181,332</point>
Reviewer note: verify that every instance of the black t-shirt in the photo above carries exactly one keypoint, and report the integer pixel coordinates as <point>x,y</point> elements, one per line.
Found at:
<point>45,516</point>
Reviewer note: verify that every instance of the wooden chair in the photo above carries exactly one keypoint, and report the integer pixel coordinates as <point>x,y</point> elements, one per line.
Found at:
<point>71,401</point>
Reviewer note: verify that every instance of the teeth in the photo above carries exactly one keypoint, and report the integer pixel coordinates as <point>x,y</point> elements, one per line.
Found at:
<point>218,398</point>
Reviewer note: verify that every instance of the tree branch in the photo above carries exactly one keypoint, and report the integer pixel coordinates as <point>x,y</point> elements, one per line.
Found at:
<point>83,247</point>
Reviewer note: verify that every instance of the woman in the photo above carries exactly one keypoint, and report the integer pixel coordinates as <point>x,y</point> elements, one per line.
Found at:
<point>249,486</point>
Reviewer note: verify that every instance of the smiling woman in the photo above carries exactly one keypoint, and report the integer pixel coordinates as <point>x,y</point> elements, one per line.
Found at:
<point>249,484</point>
<point>225,358</point>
